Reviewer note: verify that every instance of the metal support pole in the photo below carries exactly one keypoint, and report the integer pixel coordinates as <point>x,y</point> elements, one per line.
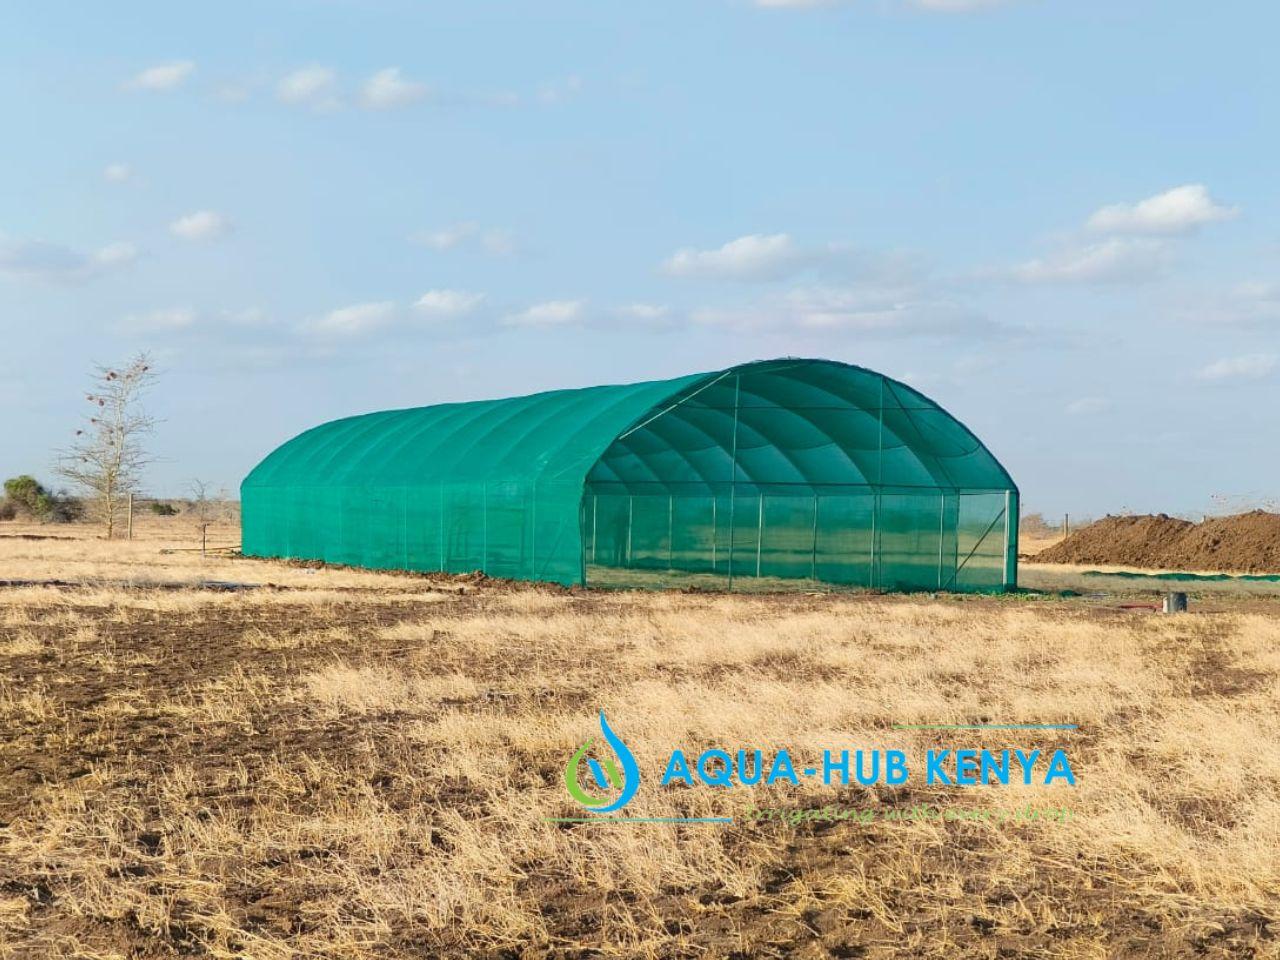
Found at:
<point>875,503</point>
<point>671,548</point>
<point>733,471</point>
<point>484,526</point>
<point>942,513</point>
<point>759,533</point>
<point>1010,580</point>
<point>871,553</point>
<point>595,513</point>
<point>440,518</point>
<point>714,532</point>
<point>631,513</point>
<point>813,564</point>
<point>955,542</point>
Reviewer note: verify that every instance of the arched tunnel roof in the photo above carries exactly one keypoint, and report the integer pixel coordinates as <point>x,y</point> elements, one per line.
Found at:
<point>778,422</point>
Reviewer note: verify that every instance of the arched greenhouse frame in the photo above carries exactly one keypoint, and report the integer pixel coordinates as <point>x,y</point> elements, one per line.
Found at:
<point>767,474</point>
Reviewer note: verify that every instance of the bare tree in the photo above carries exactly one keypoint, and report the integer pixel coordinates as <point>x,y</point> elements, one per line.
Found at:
<point>201,501</point>
<point>108,456</point>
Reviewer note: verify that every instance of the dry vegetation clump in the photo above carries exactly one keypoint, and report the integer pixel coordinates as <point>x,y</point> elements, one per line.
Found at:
<point>359,765</point>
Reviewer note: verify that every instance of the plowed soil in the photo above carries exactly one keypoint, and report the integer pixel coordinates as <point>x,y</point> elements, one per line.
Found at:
<point>1244,543</point>
<point>370,766</point>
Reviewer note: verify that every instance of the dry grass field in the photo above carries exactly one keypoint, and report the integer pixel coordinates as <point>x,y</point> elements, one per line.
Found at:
<point>358,765</point>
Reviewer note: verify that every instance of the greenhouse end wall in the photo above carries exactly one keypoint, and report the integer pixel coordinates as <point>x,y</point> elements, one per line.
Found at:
<point>783,539</point>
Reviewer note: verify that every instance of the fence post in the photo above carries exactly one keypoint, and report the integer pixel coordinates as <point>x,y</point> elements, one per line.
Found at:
<point>130,516</point>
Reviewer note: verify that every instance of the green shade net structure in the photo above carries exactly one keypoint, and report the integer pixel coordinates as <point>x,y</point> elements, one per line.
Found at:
<point>768,472</point>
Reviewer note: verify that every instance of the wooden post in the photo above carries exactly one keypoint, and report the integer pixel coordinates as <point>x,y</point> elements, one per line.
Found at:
<point>131,516</point>
<point>204,527</point>
<point>1066,525</point>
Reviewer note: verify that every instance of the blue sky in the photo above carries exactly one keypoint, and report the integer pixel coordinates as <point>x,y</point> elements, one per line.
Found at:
<point>1056,218</point>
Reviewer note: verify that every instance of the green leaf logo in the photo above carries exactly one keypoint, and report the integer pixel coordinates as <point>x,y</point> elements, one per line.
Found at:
<point>606,773</point>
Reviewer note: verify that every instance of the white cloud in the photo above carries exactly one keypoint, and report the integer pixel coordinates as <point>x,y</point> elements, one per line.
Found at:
<point>201,225</point>
<point>247,317</point>
<point>387,89</point>
<point>159,321</point>
<point>117,172</point>
<point>116,253</point>
<point>1087,406</point>
<point>753,257</point>
<point>644,312</point>
<point>355,319</point>
<point>1174,211</point>
<point>448,303</point>
<point>494,240</point>
<point>1250,304</point>
<point>55,263</point>
<point>164,76</point>
<point>311,85</point>
<point>552,313</point>
<point>447,238</point>
<point>1253,366</point>
<point>875,310</point>
<point>1117,260</point>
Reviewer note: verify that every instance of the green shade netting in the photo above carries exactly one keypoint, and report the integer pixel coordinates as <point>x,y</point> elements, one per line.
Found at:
<point>794,469</point>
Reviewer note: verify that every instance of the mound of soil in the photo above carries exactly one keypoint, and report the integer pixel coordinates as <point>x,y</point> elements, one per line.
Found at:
<point>1245,543</point>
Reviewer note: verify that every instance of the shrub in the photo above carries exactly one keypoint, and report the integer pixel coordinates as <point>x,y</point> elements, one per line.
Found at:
<point>162,509</point>
<point>25,496</point>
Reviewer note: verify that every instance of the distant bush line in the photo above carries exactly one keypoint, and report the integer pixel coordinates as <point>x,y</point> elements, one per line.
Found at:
<point>26,498</point>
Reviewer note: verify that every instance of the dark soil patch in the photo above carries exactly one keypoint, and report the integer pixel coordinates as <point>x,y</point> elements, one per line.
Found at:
<point>1245,543</point>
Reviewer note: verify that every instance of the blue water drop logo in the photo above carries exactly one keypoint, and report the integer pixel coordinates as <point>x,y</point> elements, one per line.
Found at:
<point>605,773</point>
